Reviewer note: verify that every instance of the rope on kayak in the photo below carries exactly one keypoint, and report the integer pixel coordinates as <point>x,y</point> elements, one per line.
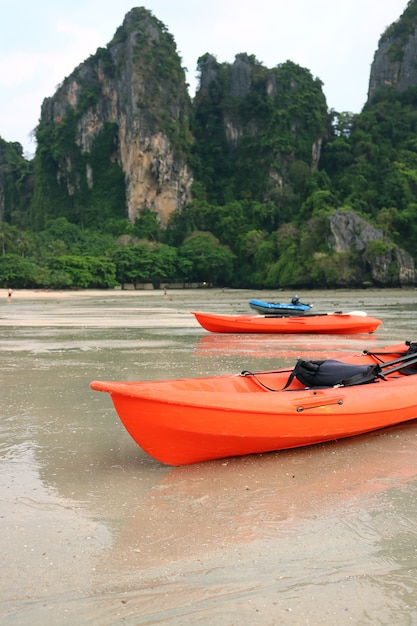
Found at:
<point>254,375</point>
<point>375,355</point>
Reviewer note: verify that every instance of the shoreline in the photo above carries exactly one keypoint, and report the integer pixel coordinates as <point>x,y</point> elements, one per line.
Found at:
<point>118,292</point>
<point>79,293</point>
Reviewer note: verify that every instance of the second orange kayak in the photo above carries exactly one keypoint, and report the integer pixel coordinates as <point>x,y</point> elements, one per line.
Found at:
<point>333,323</point>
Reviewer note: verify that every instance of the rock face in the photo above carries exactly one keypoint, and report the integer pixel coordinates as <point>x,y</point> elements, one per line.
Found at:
<point>394,65</point>
<point>386,263</point>
<point>121,130</point>
<point>16,184</point>
<point>258,127</point>
<point>138,85</point>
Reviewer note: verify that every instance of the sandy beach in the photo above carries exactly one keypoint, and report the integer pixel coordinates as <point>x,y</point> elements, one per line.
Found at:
<point>94,531</point>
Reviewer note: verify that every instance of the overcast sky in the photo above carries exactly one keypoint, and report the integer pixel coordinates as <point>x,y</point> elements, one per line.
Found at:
<point>42,41</point>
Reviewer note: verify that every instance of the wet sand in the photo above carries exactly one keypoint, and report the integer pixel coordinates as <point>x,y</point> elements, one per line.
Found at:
<point>93,531</point>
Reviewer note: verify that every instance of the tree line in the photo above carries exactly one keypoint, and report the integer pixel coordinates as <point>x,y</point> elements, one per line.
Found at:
<point>64,256</point>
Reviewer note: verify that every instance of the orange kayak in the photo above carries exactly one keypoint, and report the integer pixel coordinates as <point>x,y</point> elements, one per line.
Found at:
<point>196,419</point>
<point>325,323</point>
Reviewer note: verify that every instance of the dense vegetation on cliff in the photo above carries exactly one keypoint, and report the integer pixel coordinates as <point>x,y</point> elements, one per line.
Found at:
<point>270,164</point>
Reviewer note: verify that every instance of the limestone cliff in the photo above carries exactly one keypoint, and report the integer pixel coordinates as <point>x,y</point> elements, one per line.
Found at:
<point>394,64</point>
<point>386,264</point>
<point>16,185</point>
<point>135,90</point>
<point>256,126</point>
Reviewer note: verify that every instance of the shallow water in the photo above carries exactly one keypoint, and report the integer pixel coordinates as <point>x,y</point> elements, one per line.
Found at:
<point>93,531</point>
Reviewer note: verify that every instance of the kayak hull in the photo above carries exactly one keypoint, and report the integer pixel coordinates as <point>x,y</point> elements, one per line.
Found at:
<point>328,323</point>
<point>191,420</point>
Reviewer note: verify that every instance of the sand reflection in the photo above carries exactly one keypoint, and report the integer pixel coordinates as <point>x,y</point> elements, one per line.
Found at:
<point>209,506</point>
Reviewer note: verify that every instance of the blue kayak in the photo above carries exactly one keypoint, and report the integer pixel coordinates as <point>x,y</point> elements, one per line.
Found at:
<point>290,308</point>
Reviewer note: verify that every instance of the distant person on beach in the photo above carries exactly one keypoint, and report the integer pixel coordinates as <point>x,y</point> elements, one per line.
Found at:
<point>9,293</point>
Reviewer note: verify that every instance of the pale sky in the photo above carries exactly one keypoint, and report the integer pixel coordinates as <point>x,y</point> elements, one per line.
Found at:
<point>41,42</point>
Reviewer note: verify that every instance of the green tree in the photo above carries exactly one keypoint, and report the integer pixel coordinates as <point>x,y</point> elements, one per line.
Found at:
<point>7,238</point>
<point>133,264</point>
<point>124,259</point>
<point>164,264</point>
<point>147,225</point>
<point>61,229</point>
<point>17,272</point>
<point>212,262</point>
<point>85,272</point>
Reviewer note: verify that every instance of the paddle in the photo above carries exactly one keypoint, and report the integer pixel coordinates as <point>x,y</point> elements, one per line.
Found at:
<point>398,367</point>
<point>381,372</point>
<point>359,313</point>
<point>404,361</point>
